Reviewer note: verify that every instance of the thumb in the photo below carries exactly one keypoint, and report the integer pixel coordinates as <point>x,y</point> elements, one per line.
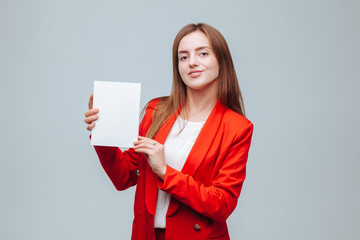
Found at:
<point>91,101</point>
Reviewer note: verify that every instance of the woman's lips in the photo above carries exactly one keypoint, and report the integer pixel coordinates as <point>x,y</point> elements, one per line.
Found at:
<point>195,74</point>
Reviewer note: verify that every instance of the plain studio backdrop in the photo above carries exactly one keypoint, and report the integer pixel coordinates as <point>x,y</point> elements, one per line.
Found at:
<point>298,65</point>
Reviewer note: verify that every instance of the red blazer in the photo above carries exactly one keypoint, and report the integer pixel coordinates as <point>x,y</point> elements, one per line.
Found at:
<point>204,193</point>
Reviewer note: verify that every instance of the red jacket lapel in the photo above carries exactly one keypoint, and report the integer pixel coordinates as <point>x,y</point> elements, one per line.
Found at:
<point>201,147</point>
<point>204,140</point>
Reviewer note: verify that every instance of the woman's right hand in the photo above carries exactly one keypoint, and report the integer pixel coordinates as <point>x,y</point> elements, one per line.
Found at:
<point>91,115</point>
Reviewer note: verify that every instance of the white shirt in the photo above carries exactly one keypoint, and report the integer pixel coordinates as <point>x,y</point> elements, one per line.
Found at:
<point>177,148</point>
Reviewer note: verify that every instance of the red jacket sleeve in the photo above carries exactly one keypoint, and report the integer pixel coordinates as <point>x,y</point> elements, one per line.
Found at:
<point>121,166</point>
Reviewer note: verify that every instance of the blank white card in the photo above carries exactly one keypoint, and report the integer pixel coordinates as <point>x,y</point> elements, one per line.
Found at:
<point>119,108</point>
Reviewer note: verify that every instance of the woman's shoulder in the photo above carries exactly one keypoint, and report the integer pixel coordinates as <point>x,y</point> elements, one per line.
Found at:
<point>154,102</point>
<point>234,117</point>
<point>152,106</point>
<point>236,122</point>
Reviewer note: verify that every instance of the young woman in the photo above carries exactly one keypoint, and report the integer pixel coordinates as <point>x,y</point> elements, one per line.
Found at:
<point>189,162</point>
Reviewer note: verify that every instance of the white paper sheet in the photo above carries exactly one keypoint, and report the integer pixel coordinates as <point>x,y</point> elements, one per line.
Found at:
<point>119,108</point>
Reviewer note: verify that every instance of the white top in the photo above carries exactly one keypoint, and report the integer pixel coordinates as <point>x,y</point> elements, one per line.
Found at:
<point>177,148</point>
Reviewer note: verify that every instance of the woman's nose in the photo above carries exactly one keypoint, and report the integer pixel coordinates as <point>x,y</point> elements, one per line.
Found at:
<point>193,61</point>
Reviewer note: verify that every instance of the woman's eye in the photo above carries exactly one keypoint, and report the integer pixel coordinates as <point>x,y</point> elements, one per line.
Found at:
<point>183,58</point>
<point>204,54</point>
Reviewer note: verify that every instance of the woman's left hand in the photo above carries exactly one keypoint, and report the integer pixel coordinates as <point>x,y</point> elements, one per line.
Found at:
<point>155,154</point>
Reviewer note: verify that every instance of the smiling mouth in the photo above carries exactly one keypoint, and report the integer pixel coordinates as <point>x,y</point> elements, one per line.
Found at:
<point>195,73</point>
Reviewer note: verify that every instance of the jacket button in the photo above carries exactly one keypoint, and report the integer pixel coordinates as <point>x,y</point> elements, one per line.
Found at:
<point>197,227</point>
<point>137,172</point>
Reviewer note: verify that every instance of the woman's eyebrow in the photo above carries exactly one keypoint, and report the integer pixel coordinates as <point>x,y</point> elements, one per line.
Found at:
<point>196,49</point>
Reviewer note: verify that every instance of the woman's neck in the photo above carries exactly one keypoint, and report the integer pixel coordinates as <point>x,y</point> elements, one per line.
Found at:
<point>198,105</point>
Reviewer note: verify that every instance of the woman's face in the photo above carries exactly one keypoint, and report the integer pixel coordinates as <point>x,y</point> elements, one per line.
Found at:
<point>198,65</point>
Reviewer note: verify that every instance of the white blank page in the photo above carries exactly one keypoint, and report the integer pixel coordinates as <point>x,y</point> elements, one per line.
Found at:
<point>119,108</point>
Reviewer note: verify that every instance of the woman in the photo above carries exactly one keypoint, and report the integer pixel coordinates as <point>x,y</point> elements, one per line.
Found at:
<point>190,159</point>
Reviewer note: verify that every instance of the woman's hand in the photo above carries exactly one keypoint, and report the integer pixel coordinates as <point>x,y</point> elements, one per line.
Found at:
<point>155,154</point>
<point>91,115</point>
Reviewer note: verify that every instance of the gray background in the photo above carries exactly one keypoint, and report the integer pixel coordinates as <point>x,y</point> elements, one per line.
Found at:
<point>298,65</point>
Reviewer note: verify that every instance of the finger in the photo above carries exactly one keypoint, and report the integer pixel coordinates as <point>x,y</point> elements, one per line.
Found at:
<point>140,142</point>
<point>91,119</point>
<point>148,153</point>
<point>149,140</point>
<point>138,145</point>
<point>143,150</point>
<point>91,101</point>
<point>90,126</point>
<point>144,145</point>
<point>145,138</point>
<point>91,112</point>
<point>146,141</point>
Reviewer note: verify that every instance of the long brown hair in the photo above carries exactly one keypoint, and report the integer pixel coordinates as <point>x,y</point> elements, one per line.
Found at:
<point>229,92</point>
